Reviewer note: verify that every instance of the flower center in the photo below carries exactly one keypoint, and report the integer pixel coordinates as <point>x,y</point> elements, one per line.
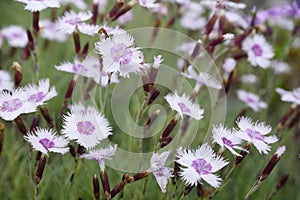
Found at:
<point>183,108</point>
<point>77,67</point>
<point>254,134</point>
<point>121,54</point>
<point>257,50</point>
<point>85,127</point>
<point>201,166</point>
<point>47,144</point>
<point>11,105</point>
<point>73,21</point>
<point>227,142</point>
<point>38,97</point>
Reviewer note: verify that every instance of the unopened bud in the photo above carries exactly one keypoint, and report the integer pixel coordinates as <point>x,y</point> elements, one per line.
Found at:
<point>96,187</point>
<point>116,7</point>
<point>40,169</point>
<point>46,115</point>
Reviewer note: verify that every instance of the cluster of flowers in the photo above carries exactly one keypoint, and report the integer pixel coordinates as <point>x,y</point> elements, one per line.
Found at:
<point>120,58</point>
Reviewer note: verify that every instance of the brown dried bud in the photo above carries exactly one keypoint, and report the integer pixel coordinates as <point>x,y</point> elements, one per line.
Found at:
<point>76,43</point>
<point>105,183</point>
<point>18,73</point>
<point>85,50</point>
<point>140,176</point>
<point>95,13</point>
<point>210,24</point>
<point>2,128</point>
<point>20,124</point>
<point>154,95</point>
<point>35,22</point>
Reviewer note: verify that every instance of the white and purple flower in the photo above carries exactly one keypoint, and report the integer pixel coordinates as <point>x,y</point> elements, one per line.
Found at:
<point>259,51</point>
<point>45,140</point>
<point>16,36</point>
<point>38,5</point>
<point>200,164</point>
<point>15,103</point>
<point>41,92</point>
<point>87,128</point>
<point>255,133</point>
<point>184,106</point>
<point>160,172</point>
<point>68,23</point>
<point>290,96</point>
<point>252,100</point>
<point>100,154</point>
<point>119,55</point>
<point>227,139</point>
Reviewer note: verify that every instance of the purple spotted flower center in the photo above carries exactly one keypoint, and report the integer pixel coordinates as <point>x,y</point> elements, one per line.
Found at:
<point>183,108</point>
<point>253,134</point>
<point>121,54</point>
<point>73,21</point>
<point>85,127</point>
<point>257,50</point>
<point>202,166</point>
<point>11,105</point>
<point>250,100</point>
<point>47,144</point>
<point>227,142</point>
<point>38,97</point>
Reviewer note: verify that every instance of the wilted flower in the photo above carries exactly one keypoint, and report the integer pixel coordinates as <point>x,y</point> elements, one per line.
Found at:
<point>45,140</point>
<point>100,154</point>
<point>290,96</point>
<point>200,164</point>
<point>41,92</point>
<point>184,106</point>
<point>227,139</point>
<point>161,173</point>
<point>14,104</point>
<point>88,128</point>
<point>255,133</point>
<point>259,51</point>
<point>5,81</point>
<point>119,54</point>
<point>38,5</point>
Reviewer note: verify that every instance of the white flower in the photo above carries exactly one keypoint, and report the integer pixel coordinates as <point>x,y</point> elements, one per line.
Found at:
<point>202,79</point>
<point>5,81</point>
<point>80,4</point>
<point>249,79</point>
<point>48,30</point>
<point>14,104</point>
<point>41,92</point>
<point>89,29</point>
<point>100,154</point>
<point>38,5</point>
<point>252,100</point>
<point>290,96</point>
<point>44,140</point>
<point>123,19</point>
<point>228,67</point>
<point>90,67</point>
<point>119,55</point>
<point>160,172</point>
<point>184,106</point>
<point>226,138</point>
<point>223,4</point>
<point>280,67</point>
<point>67,24</point>
<point>255,133</point>
<point>259,51</point>
<point>200,164</point>
<point>192,21</point>
<point>16,36</point>
<point>87,128</point>
<point>148,3</point>
<point>157,61</point>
